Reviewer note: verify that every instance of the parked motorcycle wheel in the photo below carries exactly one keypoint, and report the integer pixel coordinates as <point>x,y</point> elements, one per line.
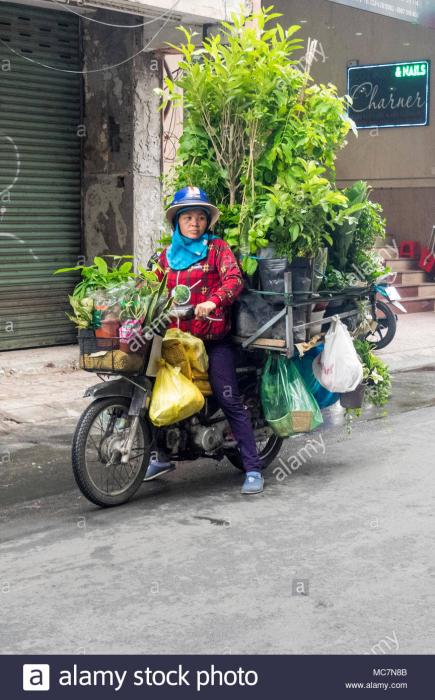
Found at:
<point>266,449</point>
<point>386,328</point>
<point>96,462</point>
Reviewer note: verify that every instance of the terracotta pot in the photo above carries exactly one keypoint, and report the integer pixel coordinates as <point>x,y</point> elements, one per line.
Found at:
<point>108,330</point>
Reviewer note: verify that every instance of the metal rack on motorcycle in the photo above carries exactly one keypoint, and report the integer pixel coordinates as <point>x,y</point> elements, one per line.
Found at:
<point>298,332</point>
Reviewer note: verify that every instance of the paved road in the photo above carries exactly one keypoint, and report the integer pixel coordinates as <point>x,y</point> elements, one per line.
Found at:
<point>336,556</point>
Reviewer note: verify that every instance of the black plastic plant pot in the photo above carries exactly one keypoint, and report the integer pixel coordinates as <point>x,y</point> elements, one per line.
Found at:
<point>271,271</point>
<point>301,269</point>
<point>272,277</point>
<point>355,398</point>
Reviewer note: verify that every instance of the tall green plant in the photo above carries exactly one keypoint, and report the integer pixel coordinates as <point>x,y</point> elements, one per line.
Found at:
<point>344,233</point>
<point>299,210</point>
<point>352,255</point>
<point>252,119</point>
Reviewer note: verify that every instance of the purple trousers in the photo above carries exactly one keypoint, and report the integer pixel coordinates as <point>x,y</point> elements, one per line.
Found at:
<point>223,379</point>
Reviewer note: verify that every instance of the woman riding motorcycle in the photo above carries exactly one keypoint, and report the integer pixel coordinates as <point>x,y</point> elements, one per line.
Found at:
<point>206,265</point>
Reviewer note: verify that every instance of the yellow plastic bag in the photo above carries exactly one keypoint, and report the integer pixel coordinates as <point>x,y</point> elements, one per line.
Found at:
<point>194,349</point>
<point>184,350</point>
<point>174,397</point>
<point>174,352</point>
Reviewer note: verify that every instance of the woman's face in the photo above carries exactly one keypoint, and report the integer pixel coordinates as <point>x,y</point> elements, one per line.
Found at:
<point>192,223</point>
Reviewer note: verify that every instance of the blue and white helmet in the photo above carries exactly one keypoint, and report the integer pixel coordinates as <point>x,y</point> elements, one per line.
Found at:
<point>190,197</point>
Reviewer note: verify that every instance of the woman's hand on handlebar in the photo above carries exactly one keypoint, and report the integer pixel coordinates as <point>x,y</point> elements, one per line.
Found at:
<point>206,307</point>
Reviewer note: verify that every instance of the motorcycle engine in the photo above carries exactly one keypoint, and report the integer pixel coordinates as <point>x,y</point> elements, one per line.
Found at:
<point>208,437</point>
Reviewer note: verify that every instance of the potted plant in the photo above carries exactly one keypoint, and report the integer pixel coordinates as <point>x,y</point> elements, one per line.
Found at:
<point>83,311</point>
<point>352,258</point>
<point>100,281</point>
<point>376,374</point>
<point>142,311</point>
<point>375,388</point>
<point>354,399</point>
<point>116,293</point>
<point>132,316</point>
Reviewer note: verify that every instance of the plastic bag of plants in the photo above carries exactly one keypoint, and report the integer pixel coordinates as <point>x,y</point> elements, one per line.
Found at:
<point>287,404</point>
<point>105,318</point>
<point>141,314</point>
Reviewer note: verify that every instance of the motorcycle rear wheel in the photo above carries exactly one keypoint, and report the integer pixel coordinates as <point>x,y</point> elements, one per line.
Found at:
<point>97,467</point>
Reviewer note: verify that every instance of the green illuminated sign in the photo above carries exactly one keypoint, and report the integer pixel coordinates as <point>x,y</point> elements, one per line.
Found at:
<point>410,70</point>
<point>389,94</point>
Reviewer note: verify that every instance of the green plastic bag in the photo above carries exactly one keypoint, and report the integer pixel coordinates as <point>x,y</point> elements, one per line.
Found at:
<point>288,406</point>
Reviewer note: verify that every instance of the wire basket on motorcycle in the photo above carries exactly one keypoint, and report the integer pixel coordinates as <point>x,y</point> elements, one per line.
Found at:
<point>107,356</point>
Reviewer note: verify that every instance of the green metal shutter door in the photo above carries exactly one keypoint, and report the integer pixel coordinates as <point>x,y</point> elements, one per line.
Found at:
<point>40,174</point>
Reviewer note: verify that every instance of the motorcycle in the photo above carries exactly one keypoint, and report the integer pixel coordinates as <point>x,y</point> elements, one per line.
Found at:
<point>114,438</point>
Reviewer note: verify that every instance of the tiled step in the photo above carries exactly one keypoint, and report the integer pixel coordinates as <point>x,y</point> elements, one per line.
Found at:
<point>402,264</point>
<point>426,289</point>
<point>413,284</point>
<point>417,304</point>
<point>406,292</point>
<point>410,277</point>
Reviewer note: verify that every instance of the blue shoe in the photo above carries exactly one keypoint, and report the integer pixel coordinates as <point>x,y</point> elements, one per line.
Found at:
<point>253,483</point>
<point>156,468</point>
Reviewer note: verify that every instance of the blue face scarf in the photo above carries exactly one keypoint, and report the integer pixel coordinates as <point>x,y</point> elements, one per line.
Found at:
<point>184,252</point>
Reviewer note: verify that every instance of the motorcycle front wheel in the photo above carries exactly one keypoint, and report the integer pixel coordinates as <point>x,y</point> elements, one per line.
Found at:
<point>386,326</point>
<point>96,455</point>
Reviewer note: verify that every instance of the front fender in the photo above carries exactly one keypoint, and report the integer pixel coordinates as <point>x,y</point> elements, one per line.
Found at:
<point>114,387</point>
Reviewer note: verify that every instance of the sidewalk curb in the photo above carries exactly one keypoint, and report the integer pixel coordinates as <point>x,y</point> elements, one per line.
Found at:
<point>66,358</point>
<point>408,361</point>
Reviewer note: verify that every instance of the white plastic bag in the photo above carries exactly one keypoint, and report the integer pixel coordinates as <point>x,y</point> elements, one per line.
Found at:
<point>338,368</point>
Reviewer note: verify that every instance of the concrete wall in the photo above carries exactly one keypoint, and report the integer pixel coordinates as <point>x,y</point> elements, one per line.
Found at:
<point>400,162</point>
<point>122,154</point>
<point>147,162</point>
<point>108,176</point>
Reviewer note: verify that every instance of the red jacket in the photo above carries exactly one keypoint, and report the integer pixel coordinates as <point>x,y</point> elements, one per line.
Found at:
<point>216,278</point>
